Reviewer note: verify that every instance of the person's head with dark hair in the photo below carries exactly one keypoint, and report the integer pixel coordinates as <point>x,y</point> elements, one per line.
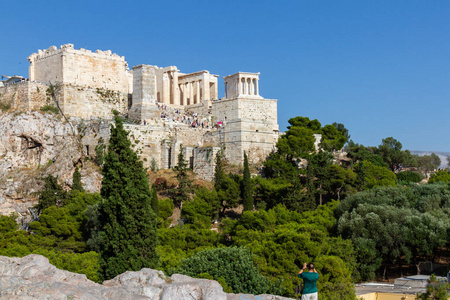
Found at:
<point>310,266</point>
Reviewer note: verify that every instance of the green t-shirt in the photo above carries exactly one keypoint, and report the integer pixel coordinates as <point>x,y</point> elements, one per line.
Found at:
<point>309,282</point>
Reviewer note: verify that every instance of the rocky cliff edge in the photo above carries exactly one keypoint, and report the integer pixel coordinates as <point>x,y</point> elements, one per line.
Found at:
<point>33,277</point>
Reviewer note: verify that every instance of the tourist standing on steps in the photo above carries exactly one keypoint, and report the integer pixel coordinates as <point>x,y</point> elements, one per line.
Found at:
<point>309,282</point>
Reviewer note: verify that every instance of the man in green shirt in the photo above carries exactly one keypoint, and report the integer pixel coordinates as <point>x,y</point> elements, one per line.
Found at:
<point>309,282</point>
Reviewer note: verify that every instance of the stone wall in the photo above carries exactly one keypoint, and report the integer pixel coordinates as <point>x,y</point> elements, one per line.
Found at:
<point>99,69</point>
<point>250,125</point>
<point>161,143</point>
<point>92,84</point>
<point>85,102</point>
<point>204,161</point>
<point>23,96</point>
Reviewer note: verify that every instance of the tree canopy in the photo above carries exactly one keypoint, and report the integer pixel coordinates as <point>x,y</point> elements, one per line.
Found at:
<point>127,223</point>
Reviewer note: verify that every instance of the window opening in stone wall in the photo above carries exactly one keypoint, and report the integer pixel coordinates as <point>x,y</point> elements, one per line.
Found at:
<point>169,155</point>
<point>87,150</point>
<point>191,162</point>
<point>158,97</point>
<point>226,89</point>
<point>130,100</point>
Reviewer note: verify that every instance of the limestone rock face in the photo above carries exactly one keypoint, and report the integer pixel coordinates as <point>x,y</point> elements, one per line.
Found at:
<point>32,145</point>
<point>33,277</point>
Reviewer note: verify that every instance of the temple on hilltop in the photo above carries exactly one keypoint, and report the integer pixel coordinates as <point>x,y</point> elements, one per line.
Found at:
<point>172,108</point>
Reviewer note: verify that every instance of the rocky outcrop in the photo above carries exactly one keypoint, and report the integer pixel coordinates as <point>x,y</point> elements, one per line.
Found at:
<point>32,145</point>
<point>33,277</point>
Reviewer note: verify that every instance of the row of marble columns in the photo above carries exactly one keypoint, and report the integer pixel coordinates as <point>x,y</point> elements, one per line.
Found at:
<point>248,86</point>
<point>192,91</point>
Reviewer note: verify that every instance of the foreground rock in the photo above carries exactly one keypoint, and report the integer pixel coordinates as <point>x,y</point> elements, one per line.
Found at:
<point>33,277</point>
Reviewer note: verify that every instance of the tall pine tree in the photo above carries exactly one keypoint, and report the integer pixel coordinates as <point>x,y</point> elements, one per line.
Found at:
<point>76,181</point>
<point>155,202</point>
<point>247,188</point>
<point>219,173</point>
<point>126,221</point>
<point>184,188</point>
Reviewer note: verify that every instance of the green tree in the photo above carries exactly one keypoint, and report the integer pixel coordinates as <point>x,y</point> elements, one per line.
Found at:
<point>282,240</point>
<point>358,153</point>
<point>392,153</point>
<point>392,224</point>
<point>184,188</point>
<point>247,187</point>
<point>342,182</point>
<point>202,209</point>
<point>219,174</point>
<point>76,181</point>
<point>228,193</point>
<point>428,163</point>
<point>317,173</point>
<point>408,176</point>
<point>126,221</point>
<point>371,175</point>
<point>440,176</point>
<point>341,128</point>
<point>100,152</point>
<point>8,223</point>
<point>299,140</point>
<point>234,264</point>
<point>332,138</point>
<point>154,201</point>
<point>436,290</point>
<point>53,194</point>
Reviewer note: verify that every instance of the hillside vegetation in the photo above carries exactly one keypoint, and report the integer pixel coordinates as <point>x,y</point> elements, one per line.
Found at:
<point>358,217</point>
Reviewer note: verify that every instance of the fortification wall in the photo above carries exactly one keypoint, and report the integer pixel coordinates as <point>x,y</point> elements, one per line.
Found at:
<point>84,102</point>
<point>250,125</point>
<point>204,161</point>
<point>99,69</point>
<point>162,143</point>
<point>23,96</point>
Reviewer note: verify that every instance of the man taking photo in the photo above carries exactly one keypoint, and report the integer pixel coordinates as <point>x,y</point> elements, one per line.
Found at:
<point>309,282</point>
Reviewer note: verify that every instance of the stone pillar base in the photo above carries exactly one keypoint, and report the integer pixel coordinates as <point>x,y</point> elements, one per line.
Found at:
<point>143,111</point>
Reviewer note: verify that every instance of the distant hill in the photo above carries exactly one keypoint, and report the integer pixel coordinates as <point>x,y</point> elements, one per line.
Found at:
<point>444,156</point>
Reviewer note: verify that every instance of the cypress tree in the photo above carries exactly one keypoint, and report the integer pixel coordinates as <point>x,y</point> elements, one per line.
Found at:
<point>53,194</point>
<point>76,181</point>
<point>155,203</point>
<point>127,224</point>
<point>219,174</point>
<point>184,188</point>
<point>247,192</point>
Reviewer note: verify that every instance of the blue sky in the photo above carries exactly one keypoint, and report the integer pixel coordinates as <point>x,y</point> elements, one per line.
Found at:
<point>382,68</point>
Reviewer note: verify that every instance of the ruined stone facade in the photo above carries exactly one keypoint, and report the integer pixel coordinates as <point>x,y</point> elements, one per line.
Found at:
<point>171,108</point>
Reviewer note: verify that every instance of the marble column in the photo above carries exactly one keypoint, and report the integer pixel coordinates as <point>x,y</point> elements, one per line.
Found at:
<point>191,93</point>
<point>239,90</point>
<point>175,90</point>
<point>197,83</point>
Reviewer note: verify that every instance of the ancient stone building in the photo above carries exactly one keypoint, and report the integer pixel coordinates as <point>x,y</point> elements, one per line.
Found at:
<point>169,108</point>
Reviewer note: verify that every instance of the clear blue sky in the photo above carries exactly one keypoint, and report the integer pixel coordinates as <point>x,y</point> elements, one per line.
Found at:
<point>382,68</point>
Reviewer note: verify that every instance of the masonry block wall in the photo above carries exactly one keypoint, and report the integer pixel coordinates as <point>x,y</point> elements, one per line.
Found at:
<point>23,96</point>
<point>250,125</point>
<point>92,83</point>
<point>169,108</point>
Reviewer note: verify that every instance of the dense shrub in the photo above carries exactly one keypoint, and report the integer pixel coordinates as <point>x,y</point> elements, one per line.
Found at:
<point>234,264</point>
<point>408,176</point>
